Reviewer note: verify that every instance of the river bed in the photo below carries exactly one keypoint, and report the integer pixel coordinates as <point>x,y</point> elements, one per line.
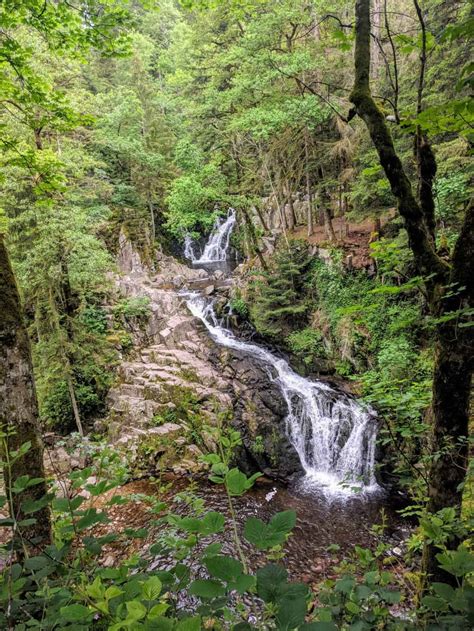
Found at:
<point>341,523</point>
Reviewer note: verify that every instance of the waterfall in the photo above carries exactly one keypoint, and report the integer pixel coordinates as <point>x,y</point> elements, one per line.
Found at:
<point>217,246</point>
<point>332,433</point>
<point>189,248</point>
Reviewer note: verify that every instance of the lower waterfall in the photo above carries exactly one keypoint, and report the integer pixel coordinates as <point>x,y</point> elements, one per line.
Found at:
<point>332,433</point>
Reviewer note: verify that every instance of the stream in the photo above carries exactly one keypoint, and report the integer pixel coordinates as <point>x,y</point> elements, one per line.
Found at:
<point>333,434</point>
<point>337,499</point>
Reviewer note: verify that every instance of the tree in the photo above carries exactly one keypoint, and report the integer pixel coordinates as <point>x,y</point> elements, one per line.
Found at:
<point>449,290</point>
<point>279,295</point>
<point>33,99</point>
<point>19,413</point>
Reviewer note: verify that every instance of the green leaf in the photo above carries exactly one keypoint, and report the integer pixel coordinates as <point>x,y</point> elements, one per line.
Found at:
<point>255,531</point>
<point>211,550</point>
<point>265,536</point>
<point>270,580</point>
<point>458,562</point>
<point>158,610</point>
<point>152,588</point>
<point>90,518</point>
<point>212,523</point>
<point>189,624</point>
<point>345,585</point>
<point>65,505</point>
<point>352,607</point>
<point>33,506</point>
<point>236,482</point>
<point>135,611</point>
<point>159,623</point>
<point>75,613</point>
<point>434,603</point>
<point>443,590</point>
<point>318,626</point>
<point>390,595</point>
<point>96,590</point>
<point>112,592</point>
<point>36,563</point>
<point>244,583</point>
<point>207,588</point>
<point>225,568</point>
<point>283,522</point>
<point>291,613</point>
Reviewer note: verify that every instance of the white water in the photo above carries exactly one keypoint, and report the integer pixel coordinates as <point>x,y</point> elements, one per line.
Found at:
<point>332,433</point>
<point>217,246</point>
<point>189,248</point>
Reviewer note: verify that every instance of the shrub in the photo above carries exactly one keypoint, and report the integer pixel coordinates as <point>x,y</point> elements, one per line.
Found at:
<point>307,344</point>
<point>135,307</point>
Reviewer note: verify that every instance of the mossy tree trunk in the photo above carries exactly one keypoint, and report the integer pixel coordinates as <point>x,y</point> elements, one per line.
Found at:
<point>449,290</point>
<point>19,412</point>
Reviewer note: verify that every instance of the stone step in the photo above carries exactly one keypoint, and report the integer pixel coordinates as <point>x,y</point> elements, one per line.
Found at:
<point>132,390</point>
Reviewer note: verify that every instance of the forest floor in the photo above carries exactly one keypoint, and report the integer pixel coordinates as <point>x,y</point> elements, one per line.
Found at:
<point>354,238</point>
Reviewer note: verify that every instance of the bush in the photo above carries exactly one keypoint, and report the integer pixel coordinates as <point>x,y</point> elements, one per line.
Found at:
<point>135,307</point>
<point>307,344</point>
<point>240,307</point>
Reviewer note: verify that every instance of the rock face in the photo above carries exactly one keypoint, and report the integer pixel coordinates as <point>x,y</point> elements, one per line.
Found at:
<point>177,382</point>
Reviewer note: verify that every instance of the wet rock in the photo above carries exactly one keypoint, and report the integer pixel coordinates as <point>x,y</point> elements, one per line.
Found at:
<point>209,290</point>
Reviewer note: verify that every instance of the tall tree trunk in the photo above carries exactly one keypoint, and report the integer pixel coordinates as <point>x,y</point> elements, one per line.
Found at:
<point>259,212</point>
<point>308,185</point>
<point>289,201</point>
<point>75,407</point>
<point>67,307</point>
<point>454,346</point>
<point>328,227</point>
<point>19,412</point>
<point>253,237</point>
<point>454,363</point>
<point>376,39</point>
<point>325,213</point>
<point>152,219</point>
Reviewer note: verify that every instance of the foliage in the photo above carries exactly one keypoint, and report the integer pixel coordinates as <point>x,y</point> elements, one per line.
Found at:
<point>240,307</point>
<point>278,294</point>
<point>307,344</point>
<point>65,586</point>
<point>135,307</point>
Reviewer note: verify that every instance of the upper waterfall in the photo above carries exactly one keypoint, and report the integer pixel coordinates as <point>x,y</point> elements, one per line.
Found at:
<point>217,246</point>
<point>332,433</point>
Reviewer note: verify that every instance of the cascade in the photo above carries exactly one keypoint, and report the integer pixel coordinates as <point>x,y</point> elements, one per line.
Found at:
<point>189,248</point>
<point>332,433</point>
<point>217,246</point>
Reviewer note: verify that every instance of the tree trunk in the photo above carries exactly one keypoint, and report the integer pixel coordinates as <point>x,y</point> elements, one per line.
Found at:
<point>328,227</point>
<point>428,263</point>
<point>68,308</point>
<point>75,407</point>
<point>454,346</point>
<point>152,219</point>
<point>19,413</point>
<point>308,186</point>
<point>292,217</point>
<point>258,210</point>
<point>253,237</point>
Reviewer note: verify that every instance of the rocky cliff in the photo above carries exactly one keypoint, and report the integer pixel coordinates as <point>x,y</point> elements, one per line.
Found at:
<point>176,384</point>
